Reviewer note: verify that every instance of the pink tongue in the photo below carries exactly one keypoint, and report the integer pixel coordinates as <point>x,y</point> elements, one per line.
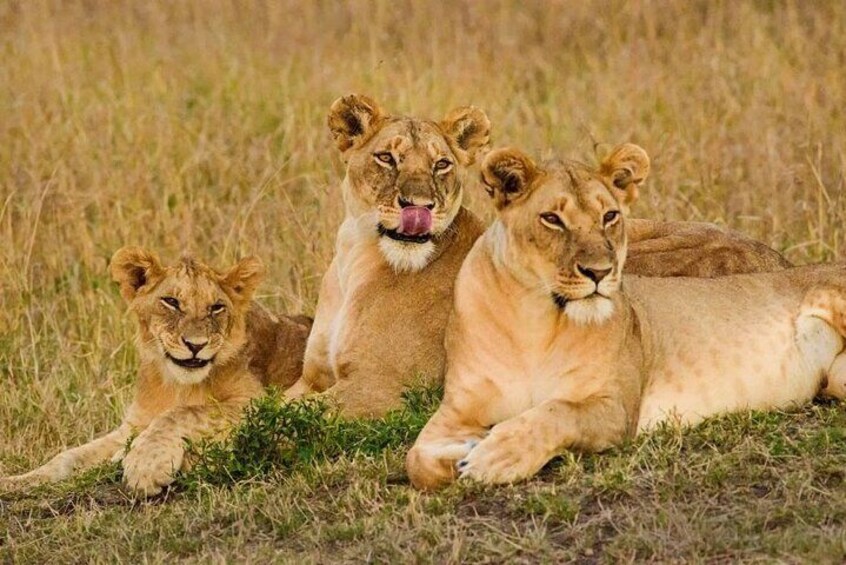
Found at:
<point>415,220</point>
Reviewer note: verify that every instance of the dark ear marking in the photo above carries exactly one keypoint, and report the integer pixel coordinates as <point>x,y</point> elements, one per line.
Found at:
<point>353,119</point>
<point>468,131</point>
<point>243,279</point>
<point>507,175</point>
<point>625,168</point>
<point>134,268</point>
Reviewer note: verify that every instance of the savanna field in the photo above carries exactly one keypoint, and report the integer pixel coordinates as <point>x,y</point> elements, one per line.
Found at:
<point>199,126</point>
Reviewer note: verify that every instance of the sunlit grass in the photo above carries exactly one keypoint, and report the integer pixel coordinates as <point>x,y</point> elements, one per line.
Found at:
<point>200,126</point>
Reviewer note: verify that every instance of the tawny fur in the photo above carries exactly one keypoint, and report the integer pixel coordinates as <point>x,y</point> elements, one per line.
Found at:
<point>526,379</point>
<point>249,349</point>
<point>383,305</point>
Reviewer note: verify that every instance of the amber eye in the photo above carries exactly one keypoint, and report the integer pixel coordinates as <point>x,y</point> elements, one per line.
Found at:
<point>170,302</point>
<point>610,217</point>
<point>385,157</point>
<point>442,164</point>
<point>552,220</point>
<point>217,308</point>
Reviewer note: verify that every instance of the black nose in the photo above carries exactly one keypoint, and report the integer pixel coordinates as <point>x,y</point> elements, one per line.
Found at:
<point>405,203</point>
<point>195,345</point>
<point>595,275</point>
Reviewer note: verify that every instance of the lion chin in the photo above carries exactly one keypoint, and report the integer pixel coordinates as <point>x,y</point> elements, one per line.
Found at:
<point>406,257</point>
<point>183,375</point>
<point>592,310</point>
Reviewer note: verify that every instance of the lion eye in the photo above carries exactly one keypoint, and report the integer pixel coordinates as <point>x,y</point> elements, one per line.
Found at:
<point>171,302</point>
<point>442,164</point>
<point>217,308</point>
<point>610,217</point>
<point>385,157</point>
<point>552,220</point>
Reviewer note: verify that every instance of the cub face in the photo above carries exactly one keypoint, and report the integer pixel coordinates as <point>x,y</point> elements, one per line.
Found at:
<point>405,174</point>
<point>191,317</point>
<point>563,225</point>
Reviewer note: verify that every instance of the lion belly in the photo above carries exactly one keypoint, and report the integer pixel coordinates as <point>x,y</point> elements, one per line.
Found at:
<point>745,349</point>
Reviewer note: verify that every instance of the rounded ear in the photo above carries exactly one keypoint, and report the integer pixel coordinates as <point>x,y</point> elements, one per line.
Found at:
<point>507,174</point>
<point>133,268</point>
<point>625,168</point>
<point>468,130</point>
<point>353,119</point>
<point>243,279</point>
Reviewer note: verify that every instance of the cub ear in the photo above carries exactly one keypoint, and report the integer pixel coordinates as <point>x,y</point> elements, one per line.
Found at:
<point>133,268</point>
<point>507,174</point>
<point>626,167</point>
<point>244,278</point>
<point>353,119</point>
<point>469,131</point>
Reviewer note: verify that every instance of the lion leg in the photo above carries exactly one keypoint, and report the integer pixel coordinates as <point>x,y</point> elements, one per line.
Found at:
<point>159,451</point>
<point>446,439</point>
<point>829,304</point>
<point>519,447</point>
<point>834,385</point>
<point>72,460</point>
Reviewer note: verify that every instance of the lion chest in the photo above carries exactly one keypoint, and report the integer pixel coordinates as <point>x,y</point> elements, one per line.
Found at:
<point>511,372</point>
<point>387,323</point>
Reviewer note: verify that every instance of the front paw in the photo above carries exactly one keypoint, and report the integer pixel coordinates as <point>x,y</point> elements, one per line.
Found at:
<point>502,457</point>
<point>149,467</point>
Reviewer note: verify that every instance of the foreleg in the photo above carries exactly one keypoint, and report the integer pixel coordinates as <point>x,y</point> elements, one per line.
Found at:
<point>72,461</point>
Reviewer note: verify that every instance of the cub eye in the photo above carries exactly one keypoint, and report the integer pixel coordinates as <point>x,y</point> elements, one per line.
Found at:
<point>552,220</point>
<point>217,308</point>
<point>385,157</point>
<point>610,217</point>
<point>442,164</point>
<point>171,302</point>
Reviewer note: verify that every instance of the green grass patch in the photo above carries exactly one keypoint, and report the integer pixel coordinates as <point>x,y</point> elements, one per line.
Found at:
<point>282,436</point>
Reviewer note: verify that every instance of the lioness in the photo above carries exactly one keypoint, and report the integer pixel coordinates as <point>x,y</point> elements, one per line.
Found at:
<point>550,348</point>
<point>386,297</point>
<point>206,350</point>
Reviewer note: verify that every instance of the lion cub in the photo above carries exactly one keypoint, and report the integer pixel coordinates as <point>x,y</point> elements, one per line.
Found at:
<point>206,350</point>
<point>550,348</point>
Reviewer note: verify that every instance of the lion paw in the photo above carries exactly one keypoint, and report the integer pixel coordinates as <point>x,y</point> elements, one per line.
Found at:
<point>502,457</point>
<point>148,468</point>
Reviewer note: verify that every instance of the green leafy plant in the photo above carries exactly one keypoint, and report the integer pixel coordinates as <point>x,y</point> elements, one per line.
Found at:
<point>277,435</point>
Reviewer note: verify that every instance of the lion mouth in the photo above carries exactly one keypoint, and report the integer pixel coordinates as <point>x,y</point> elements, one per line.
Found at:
<point>561,301</point>
<point>192,363</point>
<point>404,237</point>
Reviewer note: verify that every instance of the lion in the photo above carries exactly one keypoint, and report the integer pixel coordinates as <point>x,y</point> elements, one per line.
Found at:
<point>206,350</point>
<point>387,294</point>
<point>551,348</point>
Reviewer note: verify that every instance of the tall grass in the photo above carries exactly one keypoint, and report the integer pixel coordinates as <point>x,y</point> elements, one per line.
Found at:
<point>200,125</point>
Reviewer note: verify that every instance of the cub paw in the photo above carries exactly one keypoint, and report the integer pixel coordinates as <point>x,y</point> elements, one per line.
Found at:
<point>502,457</point>
<point>149,468</point>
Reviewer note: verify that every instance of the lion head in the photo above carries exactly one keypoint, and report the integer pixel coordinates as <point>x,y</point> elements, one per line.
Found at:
<point>404,175</point>
<point>191,317</point>
<point>560,226</point>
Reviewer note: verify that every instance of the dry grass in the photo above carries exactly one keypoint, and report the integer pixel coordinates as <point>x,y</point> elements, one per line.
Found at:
<point>199,125</point>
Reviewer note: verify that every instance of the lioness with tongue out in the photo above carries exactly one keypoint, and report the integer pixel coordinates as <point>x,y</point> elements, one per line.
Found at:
<point>385,299</point>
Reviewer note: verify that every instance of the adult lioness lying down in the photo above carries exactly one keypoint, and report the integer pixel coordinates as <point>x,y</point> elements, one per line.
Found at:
<point>551,348</point>
<point>206,350</point>
<point>386,296</point>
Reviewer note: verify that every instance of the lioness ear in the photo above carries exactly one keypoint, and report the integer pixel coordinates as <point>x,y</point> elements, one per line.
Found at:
<point>507,174</point>
<point>244,278</point>
<point>469,130</point>
<point>353,120</point>
<point>134,268</point>
<point>626,167</point>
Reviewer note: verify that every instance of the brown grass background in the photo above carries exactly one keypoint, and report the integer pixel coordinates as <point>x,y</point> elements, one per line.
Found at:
<point>200,126</point>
